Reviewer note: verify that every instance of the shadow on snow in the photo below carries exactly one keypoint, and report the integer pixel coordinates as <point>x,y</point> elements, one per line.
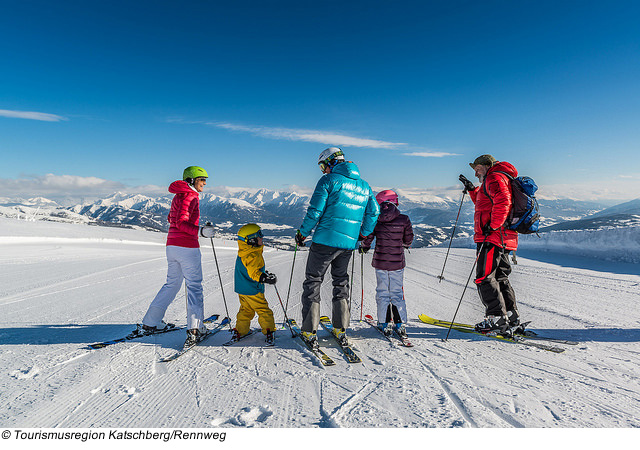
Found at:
<point>89,334</point>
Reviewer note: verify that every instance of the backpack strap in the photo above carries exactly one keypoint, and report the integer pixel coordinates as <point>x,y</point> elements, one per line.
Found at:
<point>484,187</point>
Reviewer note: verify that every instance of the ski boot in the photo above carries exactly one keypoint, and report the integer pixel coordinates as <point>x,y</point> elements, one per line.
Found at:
<point>270,339</point>
<point>400,330</point>
<point>494,325</point>
<point>386,327</point>
<point>235,335</point>
<point>194,336</point>
<point>311,338</point>
<point>514,322</point>
<point>146,330</point>
<point>341,335</point>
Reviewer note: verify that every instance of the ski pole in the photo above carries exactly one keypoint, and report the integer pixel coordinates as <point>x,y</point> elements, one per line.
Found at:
<point>361,283</point>
<point>441,277</point>
<point>353,260</point>
<point>465,288</point>
<point>224,299</point>
<point>285,312</point>
<point>291,277</point>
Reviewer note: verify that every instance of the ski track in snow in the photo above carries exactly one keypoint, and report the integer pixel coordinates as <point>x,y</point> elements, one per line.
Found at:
<point>87,292</point>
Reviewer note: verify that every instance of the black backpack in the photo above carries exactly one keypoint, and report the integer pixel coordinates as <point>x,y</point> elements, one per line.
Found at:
<point>524,216</point>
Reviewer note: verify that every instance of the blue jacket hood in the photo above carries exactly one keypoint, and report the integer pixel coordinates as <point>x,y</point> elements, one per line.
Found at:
<point>347,169</point>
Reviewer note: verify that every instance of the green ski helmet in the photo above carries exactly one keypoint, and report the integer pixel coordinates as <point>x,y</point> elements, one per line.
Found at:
<point>192,172</point>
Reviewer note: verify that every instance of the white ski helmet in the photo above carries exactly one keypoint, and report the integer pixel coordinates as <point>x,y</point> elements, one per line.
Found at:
<point>330,157</point>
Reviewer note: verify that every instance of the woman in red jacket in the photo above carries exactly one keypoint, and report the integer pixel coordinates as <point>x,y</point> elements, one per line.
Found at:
<point>183,257</point>
<point>494,242</point>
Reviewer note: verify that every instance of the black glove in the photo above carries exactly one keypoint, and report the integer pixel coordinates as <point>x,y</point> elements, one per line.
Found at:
<point>468,185</point>
<point>487,230</point>
<point>363,249</point>
<point>268,278</point>
<point>300,239</point>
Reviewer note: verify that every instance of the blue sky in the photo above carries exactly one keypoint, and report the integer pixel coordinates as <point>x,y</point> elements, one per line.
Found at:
<point>105,95</point>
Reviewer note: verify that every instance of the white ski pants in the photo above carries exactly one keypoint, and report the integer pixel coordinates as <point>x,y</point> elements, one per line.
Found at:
<point>183,263</point>
<point>389,292</point>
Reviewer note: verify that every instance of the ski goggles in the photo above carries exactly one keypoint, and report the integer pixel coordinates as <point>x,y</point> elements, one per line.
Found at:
<point>328,162</point>
<point>257,234</point>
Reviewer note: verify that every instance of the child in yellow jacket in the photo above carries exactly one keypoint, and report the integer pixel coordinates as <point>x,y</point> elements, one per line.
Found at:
<point>250,277</point>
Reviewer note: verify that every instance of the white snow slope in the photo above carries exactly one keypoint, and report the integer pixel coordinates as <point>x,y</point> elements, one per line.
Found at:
<point>64,286</point>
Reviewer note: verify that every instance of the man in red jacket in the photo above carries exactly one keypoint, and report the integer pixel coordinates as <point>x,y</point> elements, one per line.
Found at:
<point>494,242</point>
<point>183,257</point>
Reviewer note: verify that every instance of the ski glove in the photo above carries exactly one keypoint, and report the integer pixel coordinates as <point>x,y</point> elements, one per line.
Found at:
<point>300,239</point>
<point>487,230</point>
<point>468,185</point>
<point>268,278</point>
<point>207,231</point>
<point>363,249</point>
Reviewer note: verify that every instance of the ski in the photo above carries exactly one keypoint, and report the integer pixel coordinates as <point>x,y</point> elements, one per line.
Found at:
<point>404,339</point>
<point>137,333</point>
<point>528,334</point>
<point>370,320</point>
<point>348,351</point>
<point>516,339</point>
<point>317,352</point>
<point>184,350</point>
<point>233,340</point>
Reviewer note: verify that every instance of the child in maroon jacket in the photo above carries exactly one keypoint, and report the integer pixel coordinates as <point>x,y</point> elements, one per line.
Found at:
<point>393,233</point>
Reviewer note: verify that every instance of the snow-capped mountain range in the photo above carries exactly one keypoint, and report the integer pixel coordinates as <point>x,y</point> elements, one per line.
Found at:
<point>280,213</point>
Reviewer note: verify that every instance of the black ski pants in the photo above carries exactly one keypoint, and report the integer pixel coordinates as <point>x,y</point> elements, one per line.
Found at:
<point>492,280</point>
<point>319,259</point>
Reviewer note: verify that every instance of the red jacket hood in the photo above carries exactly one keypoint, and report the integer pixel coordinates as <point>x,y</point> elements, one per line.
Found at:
<point>504,166</point>
<point>181,187</point>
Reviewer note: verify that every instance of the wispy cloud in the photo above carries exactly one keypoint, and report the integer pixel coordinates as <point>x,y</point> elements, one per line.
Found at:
<point>31,115</point>
<point>50,183</point>
<point>323,137</point>
<point>431,154</point>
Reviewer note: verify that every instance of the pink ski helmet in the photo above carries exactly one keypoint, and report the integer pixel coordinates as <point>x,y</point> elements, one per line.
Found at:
<point>387,196</point>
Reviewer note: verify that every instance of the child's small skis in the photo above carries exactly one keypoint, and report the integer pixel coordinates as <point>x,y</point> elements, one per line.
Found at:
<point>235,338</point>
<point>404,340</point>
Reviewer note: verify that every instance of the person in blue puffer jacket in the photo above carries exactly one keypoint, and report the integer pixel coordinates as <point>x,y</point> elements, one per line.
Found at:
<point>342,210</point>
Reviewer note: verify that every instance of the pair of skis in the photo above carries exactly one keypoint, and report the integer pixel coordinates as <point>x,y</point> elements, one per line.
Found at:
<point>325,359</point>
<point>233,340</point>
<point>138,333</point>
<point>403,340</point>
<point>528,338</point>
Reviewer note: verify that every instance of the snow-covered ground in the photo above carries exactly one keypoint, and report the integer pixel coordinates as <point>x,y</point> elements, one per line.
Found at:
<point>63,286</point>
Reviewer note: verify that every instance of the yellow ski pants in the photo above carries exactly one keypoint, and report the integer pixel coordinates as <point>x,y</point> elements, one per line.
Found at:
<point>249,306</point>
